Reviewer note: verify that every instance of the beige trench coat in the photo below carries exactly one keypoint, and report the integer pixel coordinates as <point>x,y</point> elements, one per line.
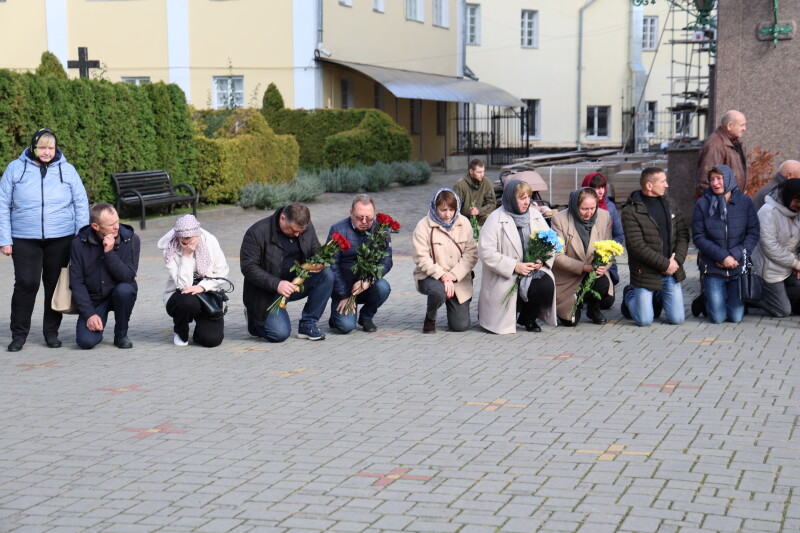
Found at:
<point>568,267</point>
<point>430,235</point>
<point>500,249</point>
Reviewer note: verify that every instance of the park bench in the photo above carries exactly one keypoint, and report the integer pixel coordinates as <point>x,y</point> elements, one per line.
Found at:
<point>150,188</point>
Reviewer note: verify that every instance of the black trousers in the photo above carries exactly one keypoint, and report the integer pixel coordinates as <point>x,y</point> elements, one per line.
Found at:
<point>540,296</point>
<point>601,286</point>
<point>36,260</point>
<point>185,308</point>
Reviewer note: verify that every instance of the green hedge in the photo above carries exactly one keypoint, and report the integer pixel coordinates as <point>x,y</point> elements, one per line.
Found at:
<point>330,138</point>
<point>245,150</point>
<point>102,127</point>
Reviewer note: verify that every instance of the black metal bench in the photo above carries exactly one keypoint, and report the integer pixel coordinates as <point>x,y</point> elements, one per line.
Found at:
<point>149,188</point>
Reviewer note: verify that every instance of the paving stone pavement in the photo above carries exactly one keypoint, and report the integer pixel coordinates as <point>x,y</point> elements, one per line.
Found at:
<point>591,429</point>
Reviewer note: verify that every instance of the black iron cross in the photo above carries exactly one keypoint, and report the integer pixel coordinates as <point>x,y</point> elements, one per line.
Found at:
<point>83,64</point>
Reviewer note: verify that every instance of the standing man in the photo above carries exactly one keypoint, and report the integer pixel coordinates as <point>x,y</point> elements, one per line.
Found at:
<point>476,192</point>
<point>356,228</point>
<point>789,169</point>
<point>657,239</point>
<point>269,250</point>
<point>104,259</point>
<point>723,147</point>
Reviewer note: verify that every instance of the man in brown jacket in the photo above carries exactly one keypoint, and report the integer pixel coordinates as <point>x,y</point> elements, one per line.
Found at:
<point>723,147</point>
<point>476,192</point>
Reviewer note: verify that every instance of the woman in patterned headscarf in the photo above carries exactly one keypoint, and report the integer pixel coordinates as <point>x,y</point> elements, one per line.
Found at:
<point>191,253</point>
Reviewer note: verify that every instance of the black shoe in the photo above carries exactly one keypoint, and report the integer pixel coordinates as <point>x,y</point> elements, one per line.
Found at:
<point>533,326</point>
<point>52,341</point>
<point>567,323</point>
<point>596,316</point>
<point>624,307</point>
<point>368,325</point>
<point>123,342</point>
<point>429,326</point>
<point>16,345</point>
<point>699,305</point>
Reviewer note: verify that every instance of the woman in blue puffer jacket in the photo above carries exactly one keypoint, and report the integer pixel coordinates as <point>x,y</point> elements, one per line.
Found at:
<point>724,228</point>
<point>43,204</point>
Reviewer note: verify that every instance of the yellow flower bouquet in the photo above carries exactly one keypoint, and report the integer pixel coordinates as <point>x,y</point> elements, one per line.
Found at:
<point>605,253</point>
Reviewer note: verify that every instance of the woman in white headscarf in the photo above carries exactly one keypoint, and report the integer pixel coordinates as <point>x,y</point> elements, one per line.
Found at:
<point>191,254</point>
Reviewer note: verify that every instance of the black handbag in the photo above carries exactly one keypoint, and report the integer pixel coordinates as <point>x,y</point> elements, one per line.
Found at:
<point>213,304</point>
<point>749,282</point>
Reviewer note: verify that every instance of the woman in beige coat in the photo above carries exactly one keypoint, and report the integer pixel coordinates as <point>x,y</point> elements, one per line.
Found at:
<point>580,225</point>
<point>501,247</point>
<point>445,254</point>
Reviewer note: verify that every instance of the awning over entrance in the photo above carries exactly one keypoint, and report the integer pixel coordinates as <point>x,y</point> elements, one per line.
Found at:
<point>410,84</point>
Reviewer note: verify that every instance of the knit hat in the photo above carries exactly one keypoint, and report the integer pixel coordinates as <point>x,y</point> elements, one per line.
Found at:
<point>187,226</point>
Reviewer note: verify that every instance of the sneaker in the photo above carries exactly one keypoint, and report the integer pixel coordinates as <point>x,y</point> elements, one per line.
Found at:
<point>311,333</point>
<point>368,325</point>
<point>624,307</point>
<point>178,341</point>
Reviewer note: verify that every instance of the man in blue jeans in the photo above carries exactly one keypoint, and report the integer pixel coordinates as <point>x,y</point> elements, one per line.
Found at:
<point>657,239</point>
<point>356,229</point>
<point>269,250</point>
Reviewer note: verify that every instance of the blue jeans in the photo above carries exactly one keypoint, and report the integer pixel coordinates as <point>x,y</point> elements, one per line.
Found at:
<point>121,302</point>
<point>640,302</point>
<point>277,326</point>
<point>722,299</point>
<point>371,299</point>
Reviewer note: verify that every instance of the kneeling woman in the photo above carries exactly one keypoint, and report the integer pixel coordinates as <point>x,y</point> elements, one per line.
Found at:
<point>501,247</point>
<point>445,254</point>
<point>191,253</point>
<point>581,225</point>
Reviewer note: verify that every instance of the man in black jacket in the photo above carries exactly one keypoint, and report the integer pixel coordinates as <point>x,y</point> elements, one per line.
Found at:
<point>104,259</point>
<point>269,249</point>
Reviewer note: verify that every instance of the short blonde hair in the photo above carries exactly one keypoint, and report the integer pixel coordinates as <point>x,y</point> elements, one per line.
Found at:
<point>523,187</point>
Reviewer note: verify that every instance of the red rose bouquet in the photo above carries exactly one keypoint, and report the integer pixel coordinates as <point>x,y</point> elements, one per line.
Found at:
<point>322,259</point>
<point>368,255</point>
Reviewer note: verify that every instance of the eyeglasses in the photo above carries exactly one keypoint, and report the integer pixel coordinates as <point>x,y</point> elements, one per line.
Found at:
<point>364,219</point>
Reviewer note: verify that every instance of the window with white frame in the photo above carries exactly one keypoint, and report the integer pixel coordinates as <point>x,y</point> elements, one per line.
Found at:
<point>441,13</point>
<point>598,119</point>
<point>650,33</point>
<point>415,125</point>
<point>473,24</point>
<point>532,117</point>
<point>346,85</point>
<point>377,5</point>
<point>136,80</point>
<point>529,29</point>
<point>652,110</point>
<point>415,10</point>
<point>228,92</point>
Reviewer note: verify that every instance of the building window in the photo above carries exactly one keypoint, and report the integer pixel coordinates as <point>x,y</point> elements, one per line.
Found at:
<point>380,97</point>
<point>532,117</point>
<point>652,109</point>
<point>415,10</point>
<point>530,29</point>
<point>441,13</point>
<point>377,5</point>
<point>473,24</point>
<point>348,3</point>
<point>228,92</point>
<point>346,85</point>
<point>650,33</point>
<point>597,120</point>
<point>136,80</point>
<point>441,118</point>
<point>416,116</point>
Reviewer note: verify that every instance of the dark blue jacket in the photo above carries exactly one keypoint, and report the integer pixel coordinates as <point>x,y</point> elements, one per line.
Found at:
<point>715,239</point>
<point>93,274</point>
<point>343,266</point>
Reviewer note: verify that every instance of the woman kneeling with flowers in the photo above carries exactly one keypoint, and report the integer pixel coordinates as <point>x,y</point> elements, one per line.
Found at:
<point>581,225</point>
<point>502,245</point>
<point>445,254</point>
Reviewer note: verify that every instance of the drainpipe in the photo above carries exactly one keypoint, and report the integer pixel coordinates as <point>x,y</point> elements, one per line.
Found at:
<point>638,75</point>
<point>580,72</point>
